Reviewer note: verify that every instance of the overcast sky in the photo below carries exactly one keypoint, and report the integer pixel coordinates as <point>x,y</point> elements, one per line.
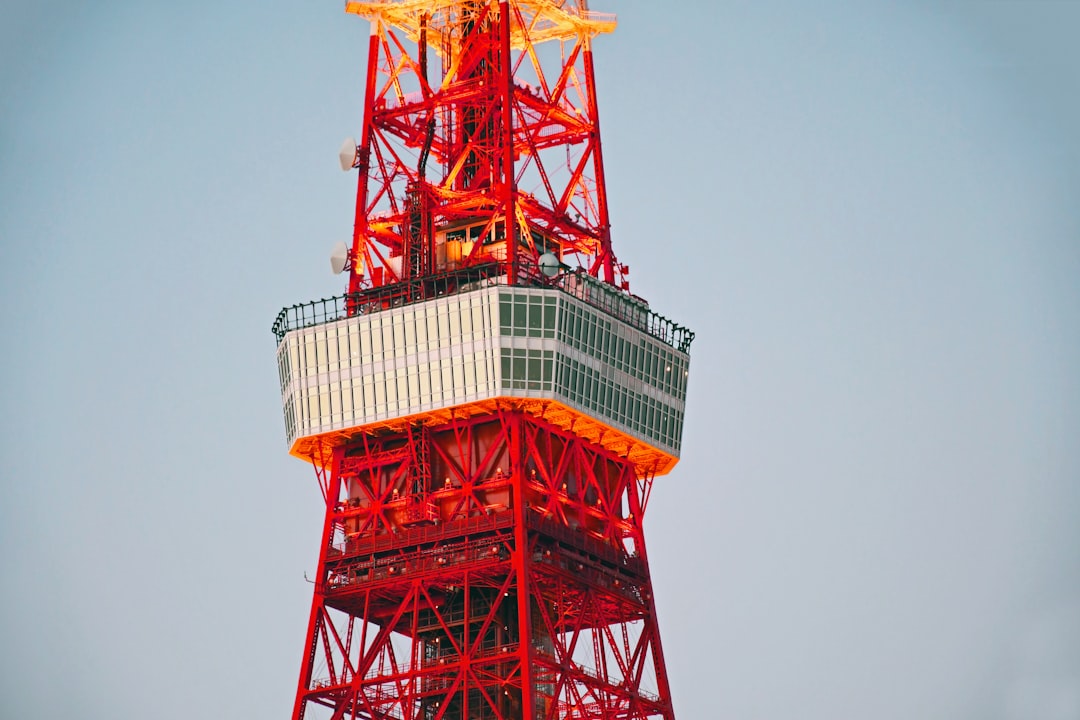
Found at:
<point>869,212</point>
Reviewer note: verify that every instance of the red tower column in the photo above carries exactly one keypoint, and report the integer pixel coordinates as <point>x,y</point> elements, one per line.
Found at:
<point>486,421</point>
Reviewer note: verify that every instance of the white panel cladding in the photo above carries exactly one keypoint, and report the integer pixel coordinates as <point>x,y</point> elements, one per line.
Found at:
<point>401,361</point>
<point>479,345</point>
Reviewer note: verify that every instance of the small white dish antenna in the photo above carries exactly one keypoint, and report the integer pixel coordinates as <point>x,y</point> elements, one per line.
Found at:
<point>549,264</point>
<point>339,258</point>
<point>347,154</point>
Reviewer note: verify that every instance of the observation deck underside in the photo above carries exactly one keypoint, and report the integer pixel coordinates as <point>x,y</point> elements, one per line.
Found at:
<point>648,460</point>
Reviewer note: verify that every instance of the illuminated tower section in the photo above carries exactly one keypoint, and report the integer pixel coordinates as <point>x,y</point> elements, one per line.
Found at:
<point>487,406</point>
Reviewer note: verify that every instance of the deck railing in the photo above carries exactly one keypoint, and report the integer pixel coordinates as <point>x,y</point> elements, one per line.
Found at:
<point>602,296</point>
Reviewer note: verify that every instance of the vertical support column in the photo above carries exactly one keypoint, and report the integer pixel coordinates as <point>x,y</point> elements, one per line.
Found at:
<point>662,685</point>
<point>520,561</point>
<point>607,257</point>
<point>360,216</point>
<point>506,79</point>
<point>316,618</point>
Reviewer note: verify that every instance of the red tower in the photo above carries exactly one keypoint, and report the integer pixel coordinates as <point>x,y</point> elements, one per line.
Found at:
<point>487,406</point>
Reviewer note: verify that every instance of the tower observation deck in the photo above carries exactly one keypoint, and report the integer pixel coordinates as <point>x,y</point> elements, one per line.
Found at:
<point>487,405</point>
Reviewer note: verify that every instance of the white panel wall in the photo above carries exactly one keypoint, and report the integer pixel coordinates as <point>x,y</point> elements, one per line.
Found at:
<point>397,362</point>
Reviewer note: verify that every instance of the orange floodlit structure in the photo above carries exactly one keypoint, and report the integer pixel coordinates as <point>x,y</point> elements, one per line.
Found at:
<point>487,406</point>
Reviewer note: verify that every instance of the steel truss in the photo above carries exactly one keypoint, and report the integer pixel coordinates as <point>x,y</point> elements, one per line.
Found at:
<point>485,569</point>
<point>480,111</point>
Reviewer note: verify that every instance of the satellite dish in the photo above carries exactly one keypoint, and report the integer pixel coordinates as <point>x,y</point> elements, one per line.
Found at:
<point>549,264</point>
<point>347,154</point>
<point>339,258</point>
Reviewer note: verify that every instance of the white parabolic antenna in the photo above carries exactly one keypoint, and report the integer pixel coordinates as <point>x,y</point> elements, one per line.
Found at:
<point>347,154</point>
<point>339,258</point>
<point>549,264</point>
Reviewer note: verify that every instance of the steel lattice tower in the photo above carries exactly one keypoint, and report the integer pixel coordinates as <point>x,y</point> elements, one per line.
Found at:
<point>487,406</point>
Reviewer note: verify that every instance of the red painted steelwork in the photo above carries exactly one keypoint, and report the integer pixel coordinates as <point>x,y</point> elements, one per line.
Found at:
<point>489,568</point>
<point>492,135</point>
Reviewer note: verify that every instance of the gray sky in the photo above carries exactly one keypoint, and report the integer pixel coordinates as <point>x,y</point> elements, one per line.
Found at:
<point>867,211</point>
